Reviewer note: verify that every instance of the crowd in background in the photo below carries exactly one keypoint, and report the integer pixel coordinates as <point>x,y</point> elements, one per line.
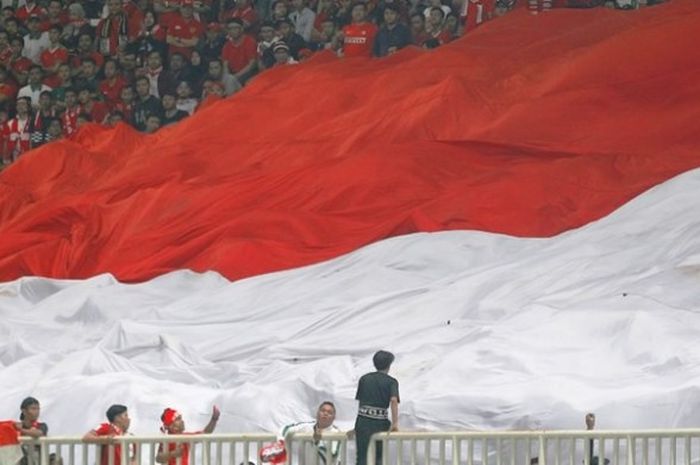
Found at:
<point>151,63</point>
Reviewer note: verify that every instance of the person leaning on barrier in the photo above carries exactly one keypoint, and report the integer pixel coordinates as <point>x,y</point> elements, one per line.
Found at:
<point>118,425</point>
<point>325,416</point>
<point>376,393</point>
<point>174,424</point>
<point>30,426</point>
<point>590,426</point>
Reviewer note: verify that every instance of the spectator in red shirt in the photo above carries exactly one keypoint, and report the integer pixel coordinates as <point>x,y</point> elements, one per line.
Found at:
<point>8,91</point>
<point>418,32</point>
<point>244,11</point>
<point>5,49</point>
<point>358,37</point>
<point>97,110</point>
<point>239,52</point>
<point>69,118</point>
<point>185,31</point>
<point>19,64</point>
<point>31,8</point>
<point>17,131</point>
<point>113,83</point>
<point>55,15</point>
<point>118,418</point>
<point>86,50</point>
<point>173,424</point>
<point>125,105</point>
<point>113,32</point>
<point>56,54</point>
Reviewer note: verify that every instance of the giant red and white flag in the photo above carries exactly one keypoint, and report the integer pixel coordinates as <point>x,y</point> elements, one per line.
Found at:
<point>515,215</point>
<point>10,451</point>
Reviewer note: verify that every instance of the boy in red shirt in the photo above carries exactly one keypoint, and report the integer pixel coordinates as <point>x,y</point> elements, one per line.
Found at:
<point>56,54</point>
<point>358,37</point>
<point>184,31</point>
<point>240,51</point>
<point>118,418</point>
<point>173,424</point>
<point>113,83</point>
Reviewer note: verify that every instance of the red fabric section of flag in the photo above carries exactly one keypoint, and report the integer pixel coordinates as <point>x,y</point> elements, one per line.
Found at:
<point>527,126</point>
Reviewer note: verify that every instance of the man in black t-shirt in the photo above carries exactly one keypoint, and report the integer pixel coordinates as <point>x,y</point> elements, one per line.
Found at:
<point>377,392</point>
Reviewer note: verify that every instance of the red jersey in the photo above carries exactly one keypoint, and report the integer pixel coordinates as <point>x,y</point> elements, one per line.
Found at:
<point>8,90</point>
<point>16,133</point>
<point>185,457</point>
<point>111,91</point>
<point>126,110</point>
<point>98,111</point>
<point>24,12</point>
<point>21,65</point>
<point>359,39</point>
<point>107,429</point>
<point>53,81</point>
<point>184,29</point>
<point>49,58</point>
<point>239,55</point>
<point>70,120</point>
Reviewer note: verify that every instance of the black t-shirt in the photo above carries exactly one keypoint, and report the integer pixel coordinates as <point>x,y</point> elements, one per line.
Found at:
<point>376,390</point>
<point>177,116</point>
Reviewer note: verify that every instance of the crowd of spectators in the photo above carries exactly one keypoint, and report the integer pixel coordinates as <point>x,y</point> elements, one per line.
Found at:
<point>151,63</point>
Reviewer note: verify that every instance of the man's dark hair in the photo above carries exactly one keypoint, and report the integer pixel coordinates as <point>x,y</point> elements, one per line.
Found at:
<point>267,23</point>
<point>88,60</point>
<point>392,7</point>
<point>26,403</point>
<point>382,360</point>
<point>327,402</point>
<point>45,92</point>
<point>356,4</point>
<point>235,21</point>
<point>142,78</point>
<point>282,21</point>
<point>33,67</point>
<point>115,409</point>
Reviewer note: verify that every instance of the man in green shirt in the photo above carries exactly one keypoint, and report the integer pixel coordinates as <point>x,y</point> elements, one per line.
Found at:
<point>377,392</point>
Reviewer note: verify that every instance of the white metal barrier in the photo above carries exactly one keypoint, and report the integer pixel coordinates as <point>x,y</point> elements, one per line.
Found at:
<point>644,447</point>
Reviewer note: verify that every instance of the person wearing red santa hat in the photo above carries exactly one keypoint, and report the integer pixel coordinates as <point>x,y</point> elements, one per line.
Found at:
<point>179,453</point>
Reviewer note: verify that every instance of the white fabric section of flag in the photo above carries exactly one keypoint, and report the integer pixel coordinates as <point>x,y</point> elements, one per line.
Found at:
<point>489,331</point>
<point>10,451</point>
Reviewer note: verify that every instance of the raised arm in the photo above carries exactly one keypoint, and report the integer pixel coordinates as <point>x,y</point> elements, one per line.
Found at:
<point>215,414</point>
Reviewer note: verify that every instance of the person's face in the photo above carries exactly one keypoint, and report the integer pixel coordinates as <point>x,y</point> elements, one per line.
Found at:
<point>127,94</point>
<point>417,23</point>
<point>154,61</point>
<point>54,129</point>
<point>33,25</point>
<point>215,69</point>
<point>235,30</point>
<point>328,29</point>
<point>186,11</point>
<point>285,29</point>
<point>183,90</point>
<point>216,90</point>
<point>142,88</point>
<point>176,62</point>
<point>149,20</point>
<point>54,9</point>
<point>23,108</point>
<point>87,69</point>
<point>11,27</point>
<point>451,23</point>
<point>122,421</point>
<point>128,61</point>
<point>54,36</point>
<point>195,59</point>
<point>325,416</point>
<point>64,73</point>
<point>32,412</point>
<point>178,425</point>
<point>152,125</point>
<point>267,33</point>
<point>297,4</point>
<point>436,18</point>
<point>7,13</point>
<point>281,56</point>
<point>3,39</point>
<point>358,13</point>
<point>110,69</point>
<point>390,16</point>
<point>168,102</point>
<point>71,99</point>
<point>84,42</point>
<point>84,96</point>
<point>35,76</point>
<point>44,102</point>
<point>281,9</point>
<point>114,6</point>
<point>115,119</point>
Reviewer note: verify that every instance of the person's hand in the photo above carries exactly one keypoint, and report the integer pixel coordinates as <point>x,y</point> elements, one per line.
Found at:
<point>215,413</point>
<point>178,451</point>
<point>394,428</point>
<point>350,434</point>
<point>317,433</point>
